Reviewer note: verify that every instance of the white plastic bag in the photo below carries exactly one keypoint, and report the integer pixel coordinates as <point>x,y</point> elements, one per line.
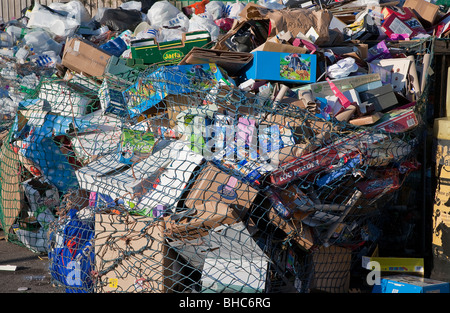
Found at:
<point>131,5</point>
<point>232,10</point>
<point>73,9</point>
<point>55,24</point>
<point>167,34</point>
<point>342,68</point>
<point>216,9</point>
<point>180,21</point>
<point>204,21</point>
<point>160,12</point>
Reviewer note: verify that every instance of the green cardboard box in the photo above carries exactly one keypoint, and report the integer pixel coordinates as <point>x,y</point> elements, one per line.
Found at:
<point>170,52</point>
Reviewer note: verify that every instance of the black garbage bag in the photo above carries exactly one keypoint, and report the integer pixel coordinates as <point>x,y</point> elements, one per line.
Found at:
<point>121,20</point>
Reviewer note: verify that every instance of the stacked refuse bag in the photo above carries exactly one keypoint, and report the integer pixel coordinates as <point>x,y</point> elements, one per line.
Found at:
<point>210,146</point>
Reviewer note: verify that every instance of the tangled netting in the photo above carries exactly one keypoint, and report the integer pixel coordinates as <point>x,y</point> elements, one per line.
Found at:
<point>174,180</point>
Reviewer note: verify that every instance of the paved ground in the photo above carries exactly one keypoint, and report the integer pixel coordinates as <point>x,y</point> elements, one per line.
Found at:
<point>31,272</point>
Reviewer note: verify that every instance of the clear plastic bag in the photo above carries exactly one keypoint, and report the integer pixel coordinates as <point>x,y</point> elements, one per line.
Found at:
<point>53,22</point>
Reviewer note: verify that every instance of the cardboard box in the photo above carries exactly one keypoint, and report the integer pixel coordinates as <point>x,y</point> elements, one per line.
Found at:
<point>293,228</point>
<point>397,121</point>
<point>235,275</point>
<point>157,180</point>
<point>393,71</point>
<point>394,265</point>
<point>284,67</point>
<point>214,185</point>
<point>112,100</point>
<point>331,269</point>
<point>150,91</point>
<point>135,145</point>
<point>412,284</point>
<point>425,11</point>
<point>40,192</point>
<point>63,99</point>
<point>149,269</point>
<point>88,146</point>
<point>381,99</point>
<point>170,52</point>
<point>359,83</point>
<point>401,21</point>
<point>226,244</point>
<point>84,57</point>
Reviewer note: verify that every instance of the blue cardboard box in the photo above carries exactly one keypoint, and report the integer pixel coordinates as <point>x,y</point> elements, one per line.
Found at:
<point>412,284</point>
<point>172,80</point>
<point>280,66</point>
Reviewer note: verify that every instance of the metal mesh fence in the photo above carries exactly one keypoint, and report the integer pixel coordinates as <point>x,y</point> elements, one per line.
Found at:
<point>174,180</point>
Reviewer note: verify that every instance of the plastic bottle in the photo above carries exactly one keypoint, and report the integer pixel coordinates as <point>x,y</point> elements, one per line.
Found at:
<point>22,53</point>
<point>5,40</point>
<point>41,41</point>
<point>17,33</point>
<point>46,58</point>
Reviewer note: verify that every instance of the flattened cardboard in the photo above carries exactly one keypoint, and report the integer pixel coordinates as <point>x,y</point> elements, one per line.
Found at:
<point>217,186</point>
<point>230,61</point>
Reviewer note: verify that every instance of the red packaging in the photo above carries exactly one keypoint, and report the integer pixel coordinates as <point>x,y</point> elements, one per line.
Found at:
<point>388,182</point>
<point>397,121</point>
<point>401,21</point>
<point>315,161</point>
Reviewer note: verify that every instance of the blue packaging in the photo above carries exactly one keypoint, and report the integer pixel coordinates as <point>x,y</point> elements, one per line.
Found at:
<point>412,284</point>
<point>283,67</point>
<point>115,46</point>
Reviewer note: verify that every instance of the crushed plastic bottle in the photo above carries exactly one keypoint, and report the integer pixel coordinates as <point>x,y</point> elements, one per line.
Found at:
<point>6,40</point>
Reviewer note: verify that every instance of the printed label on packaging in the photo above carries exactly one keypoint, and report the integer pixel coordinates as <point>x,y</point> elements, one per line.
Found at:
<point>295,66</point>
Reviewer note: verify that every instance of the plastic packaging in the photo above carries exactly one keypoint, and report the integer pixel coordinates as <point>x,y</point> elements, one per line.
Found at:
<point>17,33</point>
<point>216,9</point>
<point>204,21</point>
<point>5,40</point>
<point>121,20</point>
<point>56,24</point>
<point>47,59</point>
<point>161,12</point>
<point>131,5</point>
<point>116,46</point>
<point>233,10</point>
<point>342,68</point>
<point>72,9</point>
<point>180,21</point>
<point>41,41</point>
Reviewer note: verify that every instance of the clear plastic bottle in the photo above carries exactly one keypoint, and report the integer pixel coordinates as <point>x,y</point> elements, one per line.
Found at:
<point>16,32</point>
<point>41,41</point>
<point>5,40</point>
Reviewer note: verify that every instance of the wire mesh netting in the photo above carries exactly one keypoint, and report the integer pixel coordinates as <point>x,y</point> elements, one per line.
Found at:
<point>174,180</point>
